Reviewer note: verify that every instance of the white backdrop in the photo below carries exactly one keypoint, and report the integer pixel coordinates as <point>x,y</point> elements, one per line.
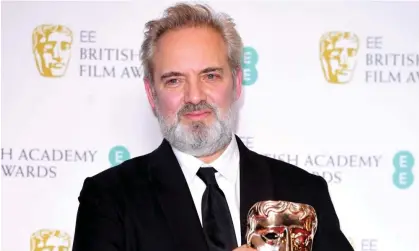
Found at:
<point>361,136</point>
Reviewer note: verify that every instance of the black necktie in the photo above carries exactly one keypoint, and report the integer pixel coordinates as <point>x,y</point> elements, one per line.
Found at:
<point>216,219</point>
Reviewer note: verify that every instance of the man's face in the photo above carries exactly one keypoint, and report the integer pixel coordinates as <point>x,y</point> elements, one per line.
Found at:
<point>193,90</point>
<point>54,53</point>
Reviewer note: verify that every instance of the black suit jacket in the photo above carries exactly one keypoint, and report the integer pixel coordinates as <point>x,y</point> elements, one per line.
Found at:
<point>144,204</point>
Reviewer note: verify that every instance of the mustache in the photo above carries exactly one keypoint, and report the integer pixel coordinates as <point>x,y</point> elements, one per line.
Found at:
<point>189,107</point>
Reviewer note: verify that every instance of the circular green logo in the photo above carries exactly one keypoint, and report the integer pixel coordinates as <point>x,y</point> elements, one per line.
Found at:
<point>118,154</point>
<point>250,58</point>
<point>403,163</point>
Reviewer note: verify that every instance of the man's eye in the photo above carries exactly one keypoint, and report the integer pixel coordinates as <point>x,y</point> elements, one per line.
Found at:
<point>211,76</point>
<point>172,81</point>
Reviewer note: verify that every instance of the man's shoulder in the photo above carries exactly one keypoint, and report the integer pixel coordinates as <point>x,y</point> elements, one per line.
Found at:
<point>294,183</point>
<point>287,171</point>
<point>133,170</point>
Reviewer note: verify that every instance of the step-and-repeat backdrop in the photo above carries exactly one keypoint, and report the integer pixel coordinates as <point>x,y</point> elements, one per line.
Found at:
<point>329,87</point>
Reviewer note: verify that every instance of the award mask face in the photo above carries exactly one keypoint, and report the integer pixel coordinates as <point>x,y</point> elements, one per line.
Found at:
<point>281,226</point>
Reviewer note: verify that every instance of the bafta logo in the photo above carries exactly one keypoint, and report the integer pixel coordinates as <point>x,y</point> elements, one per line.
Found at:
<point>281,226</point>
<point>51,46</point>
<point>338,52</point>
<point>50,240</point>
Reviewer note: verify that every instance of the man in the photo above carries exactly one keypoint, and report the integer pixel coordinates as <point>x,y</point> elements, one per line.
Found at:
<point>194,191</point>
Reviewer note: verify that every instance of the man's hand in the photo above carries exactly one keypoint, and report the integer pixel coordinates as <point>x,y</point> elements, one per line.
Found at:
<point>244,248</point>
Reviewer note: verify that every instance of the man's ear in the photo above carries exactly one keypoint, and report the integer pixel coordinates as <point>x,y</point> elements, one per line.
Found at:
<point>238,81</point>
<point>150,92</point>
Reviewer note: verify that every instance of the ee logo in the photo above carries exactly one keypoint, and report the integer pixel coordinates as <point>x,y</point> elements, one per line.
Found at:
<point>118,154</point>
<point>403,162</point>
<point>249,60</point>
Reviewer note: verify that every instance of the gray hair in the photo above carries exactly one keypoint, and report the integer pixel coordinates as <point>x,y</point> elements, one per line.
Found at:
<point>191,15</point>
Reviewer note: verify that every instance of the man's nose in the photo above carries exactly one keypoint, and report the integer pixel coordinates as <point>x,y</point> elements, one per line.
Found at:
<point>194,92</point>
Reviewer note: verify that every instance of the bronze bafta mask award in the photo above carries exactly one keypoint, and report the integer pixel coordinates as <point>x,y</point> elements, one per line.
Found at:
<point>281,226</point>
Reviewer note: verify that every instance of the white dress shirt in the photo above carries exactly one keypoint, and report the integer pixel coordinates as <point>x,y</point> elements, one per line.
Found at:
<point>227,176</point>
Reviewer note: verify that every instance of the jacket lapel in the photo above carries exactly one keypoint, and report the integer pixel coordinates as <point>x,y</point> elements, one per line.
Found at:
<point>176,200</point>
<point>255,183</point>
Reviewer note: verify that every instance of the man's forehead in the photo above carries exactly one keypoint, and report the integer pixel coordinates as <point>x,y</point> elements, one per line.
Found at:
<point>189,64</point>
<point>195,70</point>
<point>187,51</point>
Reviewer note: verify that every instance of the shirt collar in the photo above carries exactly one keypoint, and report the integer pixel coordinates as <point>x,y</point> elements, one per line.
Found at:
<point>227,164</point>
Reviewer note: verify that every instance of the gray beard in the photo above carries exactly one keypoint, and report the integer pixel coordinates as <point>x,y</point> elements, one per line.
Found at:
<point>198,139</point>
